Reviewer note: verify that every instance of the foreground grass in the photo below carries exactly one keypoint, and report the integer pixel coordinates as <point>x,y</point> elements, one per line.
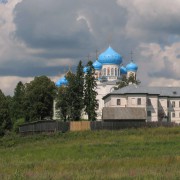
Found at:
<point>126,154</point>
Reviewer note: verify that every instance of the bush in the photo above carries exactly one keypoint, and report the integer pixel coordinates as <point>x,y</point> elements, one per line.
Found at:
<point>17,124</point>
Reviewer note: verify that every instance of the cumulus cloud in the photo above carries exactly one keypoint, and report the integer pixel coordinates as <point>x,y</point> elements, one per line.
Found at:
<point>45,37</point>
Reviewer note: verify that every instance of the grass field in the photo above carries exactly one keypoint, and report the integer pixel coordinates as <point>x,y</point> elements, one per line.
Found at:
<point>125,154</point>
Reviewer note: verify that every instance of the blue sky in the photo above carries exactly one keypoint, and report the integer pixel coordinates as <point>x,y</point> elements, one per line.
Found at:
<point>45,37</point>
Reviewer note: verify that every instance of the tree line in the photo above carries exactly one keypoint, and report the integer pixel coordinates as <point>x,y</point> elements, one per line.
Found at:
<point>34,100</point>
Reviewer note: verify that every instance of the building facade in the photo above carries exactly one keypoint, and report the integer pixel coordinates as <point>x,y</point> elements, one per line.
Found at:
<point>160,103</point>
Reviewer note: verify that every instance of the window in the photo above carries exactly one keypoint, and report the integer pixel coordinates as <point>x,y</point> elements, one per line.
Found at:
<point>149,102</point>
<point>173,103</point>
<point>118,102</point>
<point>179,103</point>
<point>139,101</point>
<point>108,71</point>
<point>173,114</point>
<point>149,113</point>
<point>97,106</point>
<point>115,71</point>
<point>104,73</point>
<point>112,71</point>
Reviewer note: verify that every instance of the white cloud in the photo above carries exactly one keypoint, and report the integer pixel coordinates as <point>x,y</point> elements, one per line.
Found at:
<point>8,83</point>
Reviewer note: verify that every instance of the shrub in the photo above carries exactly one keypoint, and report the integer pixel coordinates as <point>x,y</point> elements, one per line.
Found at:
<point>17,124</point>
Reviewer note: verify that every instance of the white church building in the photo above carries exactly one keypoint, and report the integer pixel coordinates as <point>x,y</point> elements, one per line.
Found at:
<point>159,103</point>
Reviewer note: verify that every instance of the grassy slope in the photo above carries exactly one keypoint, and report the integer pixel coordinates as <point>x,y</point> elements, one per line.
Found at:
<point>126,154</point>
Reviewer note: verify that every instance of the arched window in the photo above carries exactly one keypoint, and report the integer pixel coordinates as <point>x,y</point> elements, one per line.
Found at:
<point>115,71</point>
<point>112,71</point>
<point>108,71</point>
<point>104,73</point>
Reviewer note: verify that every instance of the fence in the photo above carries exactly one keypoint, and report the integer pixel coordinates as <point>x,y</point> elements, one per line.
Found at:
<point>80,126</point>
<point>56,126</point>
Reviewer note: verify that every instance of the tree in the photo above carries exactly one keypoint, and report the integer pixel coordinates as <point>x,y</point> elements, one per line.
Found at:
<point>5,120</point>
<point>78,95</point>
<point>126,81</point>
<point>38,99</point>
<point>90,93</point>
<point>16,105</point>
<point>62,103</point>
<point>70,98</point>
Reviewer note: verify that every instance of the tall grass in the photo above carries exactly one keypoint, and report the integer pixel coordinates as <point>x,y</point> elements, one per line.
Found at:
<point>125,154</point>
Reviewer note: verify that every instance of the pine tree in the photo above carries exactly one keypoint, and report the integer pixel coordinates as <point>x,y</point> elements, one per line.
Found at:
<point>70,98</point>
<point>17,110</point>
<point>90,93</point>
<point>5,120</point>
<point>62,103</point>
<point>79,89</point>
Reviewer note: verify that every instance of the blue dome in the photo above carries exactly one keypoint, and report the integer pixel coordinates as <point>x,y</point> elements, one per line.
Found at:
<point>61,82</point>
<point>110,57</point>
<point>132,67</point>
<point>85,69</point>
<point>97,65</point>
<point>123,70</point>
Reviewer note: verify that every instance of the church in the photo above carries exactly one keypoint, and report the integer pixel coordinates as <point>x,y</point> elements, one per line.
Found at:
<point>133,102</point>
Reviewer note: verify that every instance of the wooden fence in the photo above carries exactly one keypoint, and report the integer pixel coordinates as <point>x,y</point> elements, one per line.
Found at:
<point>56,126</point>
<point>80,126</point>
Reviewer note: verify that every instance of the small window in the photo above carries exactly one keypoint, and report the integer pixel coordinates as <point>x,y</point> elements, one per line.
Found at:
<point>139,101</point>
<point>167,103</point>
<point>173,103</point>
<point>118,102</point>
<point>104,71</point>
<point>173,114</point>
<point>108,71</point>
<point>112,71</point>
<point>149,113</point>
<point>149,102</point>
<point>115,71</point>
<point>179,103</point>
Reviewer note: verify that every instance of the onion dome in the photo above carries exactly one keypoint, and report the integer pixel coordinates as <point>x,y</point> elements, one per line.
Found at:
<point>85,69</point>
<point>132,67</point>
<point>110,57</point>
<point>123,70</point>
<point>61,82</point>
<point>97,65</point>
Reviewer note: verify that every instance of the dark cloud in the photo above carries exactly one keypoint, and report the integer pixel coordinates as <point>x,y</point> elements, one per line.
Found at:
<point>73,29</point>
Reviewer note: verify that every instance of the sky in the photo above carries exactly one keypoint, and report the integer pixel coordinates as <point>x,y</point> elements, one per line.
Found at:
<point>47,37</point>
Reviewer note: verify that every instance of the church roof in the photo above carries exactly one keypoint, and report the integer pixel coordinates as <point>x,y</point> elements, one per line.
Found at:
<point>61,82</point>
<point>139,89</point>
<point>97,65</point>
<point>110,56</point>
<point>132,67</point>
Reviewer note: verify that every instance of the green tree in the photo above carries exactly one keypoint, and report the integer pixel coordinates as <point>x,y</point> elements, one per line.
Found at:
<point>5,120</point>
<point>38,99</point>
<point>90,93</point>
<point>62,103</point>
<point>70,98</point>
<point>16,105</point>
<point>126,81</point>
<point>75,91</point>
<point>79,88</point>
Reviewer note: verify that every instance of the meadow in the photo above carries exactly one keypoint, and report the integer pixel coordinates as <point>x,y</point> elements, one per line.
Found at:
<point>147,153</point>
